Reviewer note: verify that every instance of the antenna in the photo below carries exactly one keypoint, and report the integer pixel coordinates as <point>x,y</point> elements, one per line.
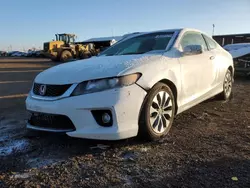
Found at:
<point>213,30</point>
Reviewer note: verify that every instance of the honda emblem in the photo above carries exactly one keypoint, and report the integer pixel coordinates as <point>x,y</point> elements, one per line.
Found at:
<point>42,90</point>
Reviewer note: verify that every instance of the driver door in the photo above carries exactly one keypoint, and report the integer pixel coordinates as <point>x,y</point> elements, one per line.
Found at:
<point>195,69</point>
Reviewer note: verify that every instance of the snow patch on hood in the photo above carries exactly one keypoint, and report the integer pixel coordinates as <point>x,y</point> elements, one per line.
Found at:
<point>93,68</point>
<point>136,64</point>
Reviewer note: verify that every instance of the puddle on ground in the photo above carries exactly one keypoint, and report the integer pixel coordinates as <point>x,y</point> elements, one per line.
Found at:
<point>9,129</point>
<point>14,146</point>
<point>41,162</point>
<point>3,138</point>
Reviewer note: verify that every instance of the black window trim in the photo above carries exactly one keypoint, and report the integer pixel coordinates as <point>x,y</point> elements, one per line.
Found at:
<point>210,49</point>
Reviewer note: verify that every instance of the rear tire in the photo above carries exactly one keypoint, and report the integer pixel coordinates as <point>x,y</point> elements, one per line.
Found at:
<point>227,93</point>
<point>157,113</point>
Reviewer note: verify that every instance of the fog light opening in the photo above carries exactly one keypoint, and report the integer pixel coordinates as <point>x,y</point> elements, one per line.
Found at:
<point>106,118</point>
<point>103,117</point>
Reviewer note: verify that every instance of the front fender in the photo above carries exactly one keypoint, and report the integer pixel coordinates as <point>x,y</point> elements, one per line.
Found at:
<point>171,72</point>
<point>148,83</point>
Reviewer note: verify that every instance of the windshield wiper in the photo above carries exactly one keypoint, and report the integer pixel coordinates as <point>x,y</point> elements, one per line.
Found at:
<point>132,53</point>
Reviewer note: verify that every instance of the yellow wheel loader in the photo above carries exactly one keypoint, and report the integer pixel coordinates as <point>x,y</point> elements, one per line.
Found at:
<point>65,49</point>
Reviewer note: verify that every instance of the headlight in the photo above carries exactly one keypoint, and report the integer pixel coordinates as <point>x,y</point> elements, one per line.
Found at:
<point>104,84</point>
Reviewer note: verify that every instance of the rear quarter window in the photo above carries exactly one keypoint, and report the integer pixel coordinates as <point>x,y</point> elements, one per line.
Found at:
<point>211,44</point>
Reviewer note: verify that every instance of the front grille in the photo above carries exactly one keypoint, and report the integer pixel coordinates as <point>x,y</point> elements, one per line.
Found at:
<point>51,90</point>
<point>51,121</point>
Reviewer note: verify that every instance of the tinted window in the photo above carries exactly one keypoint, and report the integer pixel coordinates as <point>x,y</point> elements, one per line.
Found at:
<point>133,47</point>
<point>193,39</point>
<point>211,44</point>
<point>140,44</point>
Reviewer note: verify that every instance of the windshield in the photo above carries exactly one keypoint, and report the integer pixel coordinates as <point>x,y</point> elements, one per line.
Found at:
<point>140,44</point>
<point>66,38</point>
<point>71,39</point>
<point>62,37</point>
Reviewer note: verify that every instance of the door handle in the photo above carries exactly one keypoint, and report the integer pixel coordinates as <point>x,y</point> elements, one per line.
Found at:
<point>212,57</point>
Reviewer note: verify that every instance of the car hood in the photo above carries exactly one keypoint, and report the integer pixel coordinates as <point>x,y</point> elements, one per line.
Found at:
<point>94,68</point>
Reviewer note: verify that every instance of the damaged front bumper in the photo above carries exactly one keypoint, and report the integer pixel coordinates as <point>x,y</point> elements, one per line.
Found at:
<point>80,116</point>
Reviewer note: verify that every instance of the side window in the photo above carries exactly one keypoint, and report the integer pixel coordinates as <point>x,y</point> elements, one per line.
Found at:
<point>192,38</point>
<point>211,44</point>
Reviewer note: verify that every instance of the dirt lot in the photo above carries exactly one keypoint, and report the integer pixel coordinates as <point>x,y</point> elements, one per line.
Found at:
<point>208,146</point>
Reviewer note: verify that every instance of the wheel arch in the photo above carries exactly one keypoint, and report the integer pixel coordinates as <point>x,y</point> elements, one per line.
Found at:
<point>173,88</point>
<point>231,69</point>
<point>141,118</point>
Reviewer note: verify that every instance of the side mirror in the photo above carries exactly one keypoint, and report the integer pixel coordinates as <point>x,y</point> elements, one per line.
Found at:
<point>192,50</point>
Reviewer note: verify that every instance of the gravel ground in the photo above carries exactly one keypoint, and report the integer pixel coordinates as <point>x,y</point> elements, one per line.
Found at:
<point>208,146</point>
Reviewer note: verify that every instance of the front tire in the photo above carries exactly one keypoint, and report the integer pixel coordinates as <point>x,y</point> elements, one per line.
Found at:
<point>157,113</point>
<point>66,56</point>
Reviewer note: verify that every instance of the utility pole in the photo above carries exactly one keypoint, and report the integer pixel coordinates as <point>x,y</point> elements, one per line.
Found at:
<point>213,30</point>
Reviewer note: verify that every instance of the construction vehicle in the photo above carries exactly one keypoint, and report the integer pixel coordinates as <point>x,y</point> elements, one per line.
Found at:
<point>64,48</point>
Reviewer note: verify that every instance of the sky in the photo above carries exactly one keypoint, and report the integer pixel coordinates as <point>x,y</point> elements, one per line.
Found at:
<point>29,23</point>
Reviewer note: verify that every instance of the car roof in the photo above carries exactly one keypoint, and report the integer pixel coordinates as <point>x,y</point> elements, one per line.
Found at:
<point>164,30</point>
<point>103,39</point>
<point>177,30</point>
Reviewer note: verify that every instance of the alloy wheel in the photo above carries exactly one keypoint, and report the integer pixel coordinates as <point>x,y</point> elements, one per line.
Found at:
<point>228,84</point>
<point>160,112</point>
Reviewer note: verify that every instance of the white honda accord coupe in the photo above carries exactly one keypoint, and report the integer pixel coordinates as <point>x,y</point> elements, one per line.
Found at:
<point>135,87</point>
